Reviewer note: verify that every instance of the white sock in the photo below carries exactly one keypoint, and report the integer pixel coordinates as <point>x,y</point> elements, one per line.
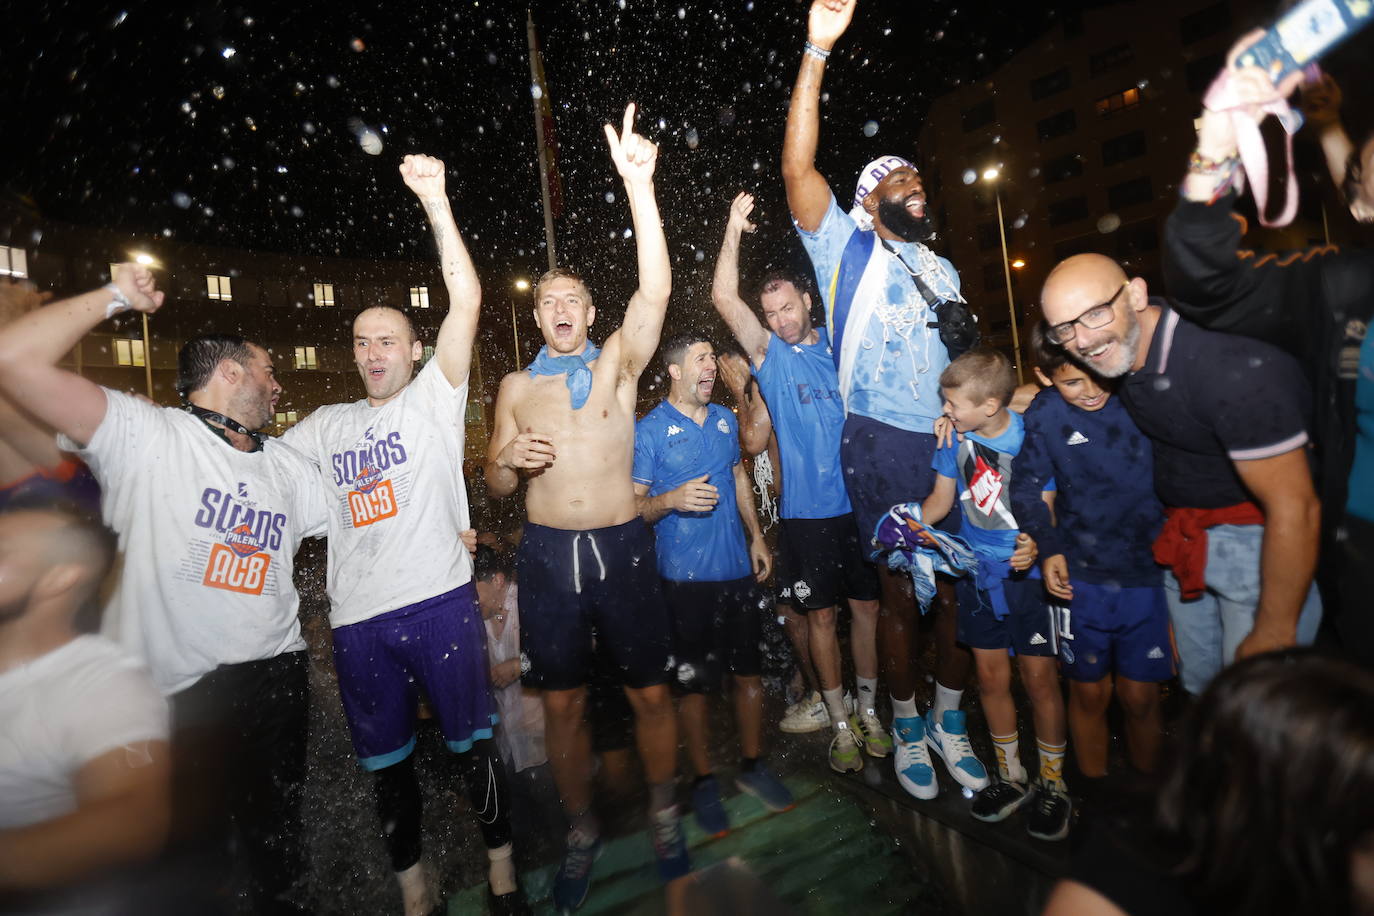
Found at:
<point>868,693</point>
<point>904,709</point>
<point>501,872</point>
<point>834,702</point>
<point>946,698</point>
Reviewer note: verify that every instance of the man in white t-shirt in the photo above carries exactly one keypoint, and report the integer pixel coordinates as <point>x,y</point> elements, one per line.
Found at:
<point>208,514</point>
<point>85,777</point>
<point>402,603</point>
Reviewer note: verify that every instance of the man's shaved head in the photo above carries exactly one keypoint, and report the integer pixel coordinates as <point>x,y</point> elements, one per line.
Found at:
<point>1094,283</point>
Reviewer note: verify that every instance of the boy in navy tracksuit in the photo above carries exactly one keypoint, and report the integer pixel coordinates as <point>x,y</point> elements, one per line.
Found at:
<point>1083,448</point>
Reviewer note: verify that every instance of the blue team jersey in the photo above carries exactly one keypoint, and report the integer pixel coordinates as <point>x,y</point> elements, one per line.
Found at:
<point>671,449</point>
<point>897,356</point>
<point>801,389</point>
<point>981,469</point>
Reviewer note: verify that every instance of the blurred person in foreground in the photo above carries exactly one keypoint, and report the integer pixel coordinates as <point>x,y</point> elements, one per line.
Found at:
<point>1316,305</point>
<point>85,774</point>
<point>1266,807</point>
<point>209,514</point>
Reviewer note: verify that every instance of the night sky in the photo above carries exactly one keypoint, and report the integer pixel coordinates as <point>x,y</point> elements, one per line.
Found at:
<point>241,124</point>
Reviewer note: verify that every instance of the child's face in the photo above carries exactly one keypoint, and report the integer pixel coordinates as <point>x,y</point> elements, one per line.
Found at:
<point>966,414</point>
<point>1078,387</point>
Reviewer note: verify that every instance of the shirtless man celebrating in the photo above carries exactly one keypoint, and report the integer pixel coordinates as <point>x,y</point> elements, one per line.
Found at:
<point>587,559</point>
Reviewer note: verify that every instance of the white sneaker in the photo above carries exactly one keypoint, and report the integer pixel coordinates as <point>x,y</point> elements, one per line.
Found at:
<point>948,738</point>
<point>911,759</point>
<point>809,715</point>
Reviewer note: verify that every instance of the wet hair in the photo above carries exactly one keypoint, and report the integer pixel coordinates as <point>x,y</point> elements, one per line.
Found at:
<point>80,537</point>
<point>200,356</point>
<point>488,561</point>
<point>1047,355</point>
<point>675,348</point>
<point>561,273</point>
<point>981,373</point>
<point>410,325</point>
<point>775,278</point>
<point>1271,786</point>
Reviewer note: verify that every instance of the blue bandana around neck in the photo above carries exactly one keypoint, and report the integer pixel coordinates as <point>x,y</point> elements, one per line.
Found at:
<point>578,372</point>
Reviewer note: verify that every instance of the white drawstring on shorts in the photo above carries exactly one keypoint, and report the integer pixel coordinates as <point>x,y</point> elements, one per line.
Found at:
<point>577,560</point>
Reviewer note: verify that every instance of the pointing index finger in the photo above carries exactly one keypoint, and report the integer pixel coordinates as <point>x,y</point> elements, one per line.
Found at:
<point>629,122</point>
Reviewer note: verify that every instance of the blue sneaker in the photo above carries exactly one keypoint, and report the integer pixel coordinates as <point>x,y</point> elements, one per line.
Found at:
<point>574,876</point>
<point>912,760</point>
<point>767,788</point>
<point>711,816</point>
<point>670,844</point>
<point>948,738</point>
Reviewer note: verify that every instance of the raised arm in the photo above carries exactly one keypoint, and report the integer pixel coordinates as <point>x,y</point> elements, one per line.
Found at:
<point>755,425</point>
<point>453,349</point>
<point>808,195</point>
<point>1282,486</point>
<point>31,347</point>
<point>739,317</point>
<point>635,158</point>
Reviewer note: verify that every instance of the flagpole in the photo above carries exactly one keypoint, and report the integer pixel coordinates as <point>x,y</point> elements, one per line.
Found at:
<point>536,80</point>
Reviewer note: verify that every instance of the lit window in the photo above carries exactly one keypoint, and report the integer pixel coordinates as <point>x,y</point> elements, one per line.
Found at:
<point>428,355</point>
<point>324,294</point>
<point>305,358</point>
<point>419,297</point>
<point>286,418</point>
<point>14,262</point>
<point>218,287</point>
<point>128,352</point>
<point>1119,101</point>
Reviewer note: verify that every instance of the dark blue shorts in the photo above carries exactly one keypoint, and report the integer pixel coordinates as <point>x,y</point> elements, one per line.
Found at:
<point>574,584</point>
<point>716,628</point>
<point>438,645</point>
<point>821,563</point>
<point>1114,629</point>
<point>1029,628</point>
<point>883,466</point>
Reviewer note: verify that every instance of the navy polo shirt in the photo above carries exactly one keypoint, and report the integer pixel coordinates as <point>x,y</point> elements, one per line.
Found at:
<point>1209,399</point>
<point>671,449</point>
<point>802,390</point>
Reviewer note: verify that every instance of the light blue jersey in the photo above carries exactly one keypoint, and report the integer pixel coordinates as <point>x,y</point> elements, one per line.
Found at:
<point>671,449</point>
<point>802,392</point>
<point>889,358</point>
<point>982,468</point>
<point>1361,500</point>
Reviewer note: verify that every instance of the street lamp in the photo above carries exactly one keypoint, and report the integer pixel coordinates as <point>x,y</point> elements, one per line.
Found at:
<point>521,285</point>
<point>990,176</point>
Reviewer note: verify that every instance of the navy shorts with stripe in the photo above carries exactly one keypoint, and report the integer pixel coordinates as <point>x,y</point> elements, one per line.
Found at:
<point>1029,628</point>
<point>602,582</point>
<point>438,645</point>
<point>1109,628</point>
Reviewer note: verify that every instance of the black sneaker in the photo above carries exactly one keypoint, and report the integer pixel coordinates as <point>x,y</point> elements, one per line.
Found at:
<point>998,801</point>
<point>1050,811</point>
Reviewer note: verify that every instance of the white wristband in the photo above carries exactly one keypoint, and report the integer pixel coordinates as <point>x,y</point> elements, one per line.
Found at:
<point>120,302</point>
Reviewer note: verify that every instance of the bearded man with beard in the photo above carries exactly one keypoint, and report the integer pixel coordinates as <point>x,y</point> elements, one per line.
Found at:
<point>878,279</point>
<point>1228,419</point>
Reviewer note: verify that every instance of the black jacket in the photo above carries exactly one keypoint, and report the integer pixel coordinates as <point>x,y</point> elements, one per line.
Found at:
<point>1316,304</point>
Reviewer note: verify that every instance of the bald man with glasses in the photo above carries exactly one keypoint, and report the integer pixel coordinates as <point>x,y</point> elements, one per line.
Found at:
<point>1227,416</point>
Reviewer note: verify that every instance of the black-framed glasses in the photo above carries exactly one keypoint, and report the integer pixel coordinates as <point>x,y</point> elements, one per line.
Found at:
<point>1096,317</point>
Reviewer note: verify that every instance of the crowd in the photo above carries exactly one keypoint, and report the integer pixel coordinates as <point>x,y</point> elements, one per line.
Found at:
<point>1187,486</point>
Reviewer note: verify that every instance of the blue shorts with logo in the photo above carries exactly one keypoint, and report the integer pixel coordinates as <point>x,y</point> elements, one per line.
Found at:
<point>884,466</point>
<point>438,645</point>
<point>1110,628</point>
<point>1028,628</point>
<point>602,582</point>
